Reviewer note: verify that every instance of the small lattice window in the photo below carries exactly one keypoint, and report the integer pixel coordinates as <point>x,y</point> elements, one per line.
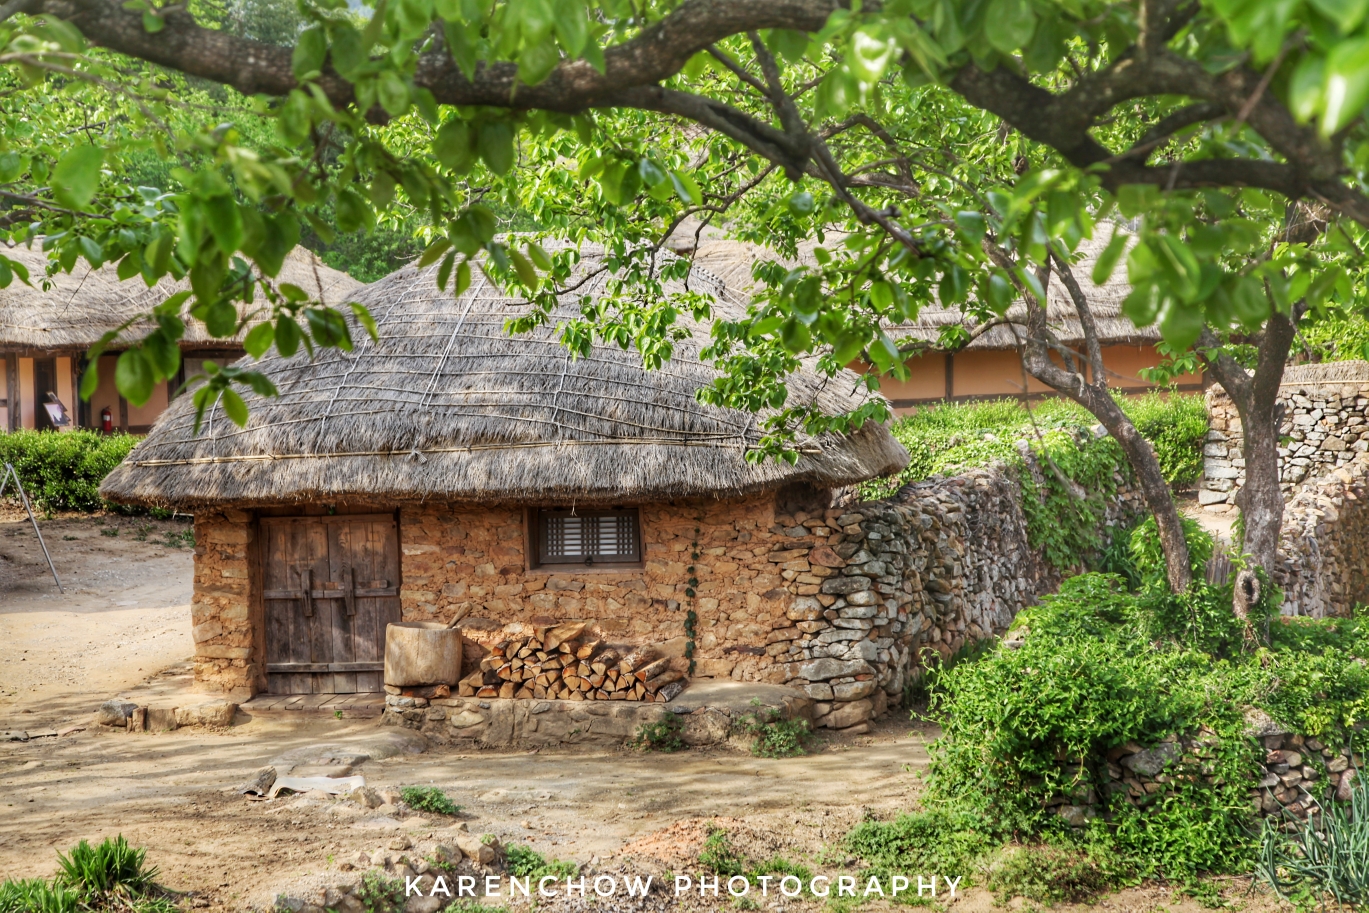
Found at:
<point>588,537</point>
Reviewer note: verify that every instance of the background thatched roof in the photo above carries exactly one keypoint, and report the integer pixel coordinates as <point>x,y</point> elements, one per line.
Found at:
<point>81,306</point>
<point>731,261</point>
<point>447,406</point>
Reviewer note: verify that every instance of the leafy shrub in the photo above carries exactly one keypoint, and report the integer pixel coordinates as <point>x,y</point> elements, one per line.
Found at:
<point>1324,857</point>
<point>772,735</point>
<point>525,862</point>
<point>719,856</point>
<point>661,735</point>
<point>63,470</point>
<point>428,799</point>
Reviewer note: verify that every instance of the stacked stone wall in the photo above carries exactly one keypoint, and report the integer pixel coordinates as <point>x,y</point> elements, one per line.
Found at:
<point>1325,426</point>
<point>1324,543</point>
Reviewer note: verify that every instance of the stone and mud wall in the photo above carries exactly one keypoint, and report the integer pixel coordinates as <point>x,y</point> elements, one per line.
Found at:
<point>842,601</point>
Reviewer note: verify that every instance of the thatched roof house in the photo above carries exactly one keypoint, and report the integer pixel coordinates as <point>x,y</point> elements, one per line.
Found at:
<point>469,471</point>
<point>47,327</point>
<point>989,366</point>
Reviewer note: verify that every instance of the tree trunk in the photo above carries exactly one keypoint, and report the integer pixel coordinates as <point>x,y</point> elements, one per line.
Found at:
<point>1035,352</point>
<point>1256,398</point>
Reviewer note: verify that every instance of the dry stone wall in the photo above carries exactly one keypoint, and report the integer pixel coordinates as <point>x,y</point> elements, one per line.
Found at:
<point>1324,543</point>
<point>222,616</point>
<point>1325,426</point>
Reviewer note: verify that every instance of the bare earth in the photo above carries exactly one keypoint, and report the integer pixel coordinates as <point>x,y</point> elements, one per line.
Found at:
<point>125,619</point>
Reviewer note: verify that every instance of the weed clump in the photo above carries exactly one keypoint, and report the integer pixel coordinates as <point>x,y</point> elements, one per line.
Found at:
<point>428,799</point>
<point>525,862</point>
<point>111,876</point>
<point>661,735</point>
<point>772,736</point>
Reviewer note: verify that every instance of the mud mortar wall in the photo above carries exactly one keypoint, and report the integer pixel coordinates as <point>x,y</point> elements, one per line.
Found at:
<point>836,601</point>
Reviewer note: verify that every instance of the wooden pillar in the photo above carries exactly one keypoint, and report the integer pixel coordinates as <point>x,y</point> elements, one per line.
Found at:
<point>12,384</point>
<point>123,413</point>
<point>950,375</point>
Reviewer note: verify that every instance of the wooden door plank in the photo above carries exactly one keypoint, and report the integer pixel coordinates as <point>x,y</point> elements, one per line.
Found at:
<point>320,625</point>
<point>342,632</point>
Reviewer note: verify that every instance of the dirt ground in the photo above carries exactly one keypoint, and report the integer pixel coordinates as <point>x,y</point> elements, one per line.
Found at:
<point>124,620</point>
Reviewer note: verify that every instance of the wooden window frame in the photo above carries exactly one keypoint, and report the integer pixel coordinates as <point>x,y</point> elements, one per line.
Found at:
<point>539,562</point>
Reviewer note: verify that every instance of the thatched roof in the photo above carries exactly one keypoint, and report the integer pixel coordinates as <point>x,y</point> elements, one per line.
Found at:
<point>447,406</point>
<point>732,261</point>
<point>83,305</point>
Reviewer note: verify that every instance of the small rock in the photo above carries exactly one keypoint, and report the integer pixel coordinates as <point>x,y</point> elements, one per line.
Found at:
<point>391,795</point>
<point>388,809</point>
<point>401,842</point>
<point>1149,762</point>
<point>367,797</point>
<point>115,712</point>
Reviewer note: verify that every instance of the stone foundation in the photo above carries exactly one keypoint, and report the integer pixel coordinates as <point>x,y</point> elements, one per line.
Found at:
<point>1324,544</point>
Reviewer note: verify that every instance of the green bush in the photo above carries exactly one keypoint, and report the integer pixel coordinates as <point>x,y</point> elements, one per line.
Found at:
<point>1051,873</point>
<point>719,856</point>
<point>1176,426</point>
<point>947,840</point>
<point>428,799</point>
<point>63,470</point>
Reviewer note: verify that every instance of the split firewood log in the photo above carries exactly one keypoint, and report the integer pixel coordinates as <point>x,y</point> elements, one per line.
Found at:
<point>587,648</point>
<point>637,658</point>
<point>652,669</point>
<point>665,678</point>
<point>563,633</point>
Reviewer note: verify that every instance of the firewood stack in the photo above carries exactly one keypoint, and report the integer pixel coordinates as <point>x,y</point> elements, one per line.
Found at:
<point>557,664</point>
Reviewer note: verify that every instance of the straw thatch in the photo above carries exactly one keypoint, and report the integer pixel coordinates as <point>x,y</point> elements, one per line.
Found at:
<point>81,306</point>
<point>732,260</point>
<point>447,406</point>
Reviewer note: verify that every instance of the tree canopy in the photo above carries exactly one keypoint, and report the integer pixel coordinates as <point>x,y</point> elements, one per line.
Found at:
<point>890,154</point>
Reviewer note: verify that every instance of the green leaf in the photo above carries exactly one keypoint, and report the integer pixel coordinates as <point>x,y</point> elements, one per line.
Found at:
<point>1107,260</point>
<point>452,146</point>
<point>77,176</point>
<point>571,26</point>
<point>1009,24</point>
<point>871,54</point>
<point>152,23</point>
<point>801,203</point>
<point>651,172</point>
<point>1180,324</point>
<point>133,376</point>
<point>363,316</point>
<point>1346,14</point>
<point>973,224</point>
<point>686,188</point>
<point>234,407</point>
<point>91,250</point>
<point>392,93</point>
<point>523,267</point>
<point>225,223</point>
<point>495,144</point>
<point>349,54</point>
<point>353,212</point>
<point>221,319</point>
<point>538,256</point>
<point>310,50</point>
<point>1346,88</point>
<point>461,48</point>
<point>259,339</point>
<point>444,271</point>
<point>288,336</point>
<point>434,250</point>
<point>463,279</point>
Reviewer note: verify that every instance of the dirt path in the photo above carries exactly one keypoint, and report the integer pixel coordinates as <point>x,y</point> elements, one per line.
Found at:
<point>124,616</point>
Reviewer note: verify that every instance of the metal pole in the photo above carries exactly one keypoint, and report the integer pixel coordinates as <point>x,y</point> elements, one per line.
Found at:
<point>11,471</point>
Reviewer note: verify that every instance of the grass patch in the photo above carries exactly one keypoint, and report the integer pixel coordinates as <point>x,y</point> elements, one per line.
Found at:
<point>110,876</point>
<point>719,856</point>
<point>428,799</point>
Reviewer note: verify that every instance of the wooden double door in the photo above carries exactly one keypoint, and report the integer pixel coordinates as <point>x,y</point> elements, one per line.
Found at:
<point>331,585</point>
